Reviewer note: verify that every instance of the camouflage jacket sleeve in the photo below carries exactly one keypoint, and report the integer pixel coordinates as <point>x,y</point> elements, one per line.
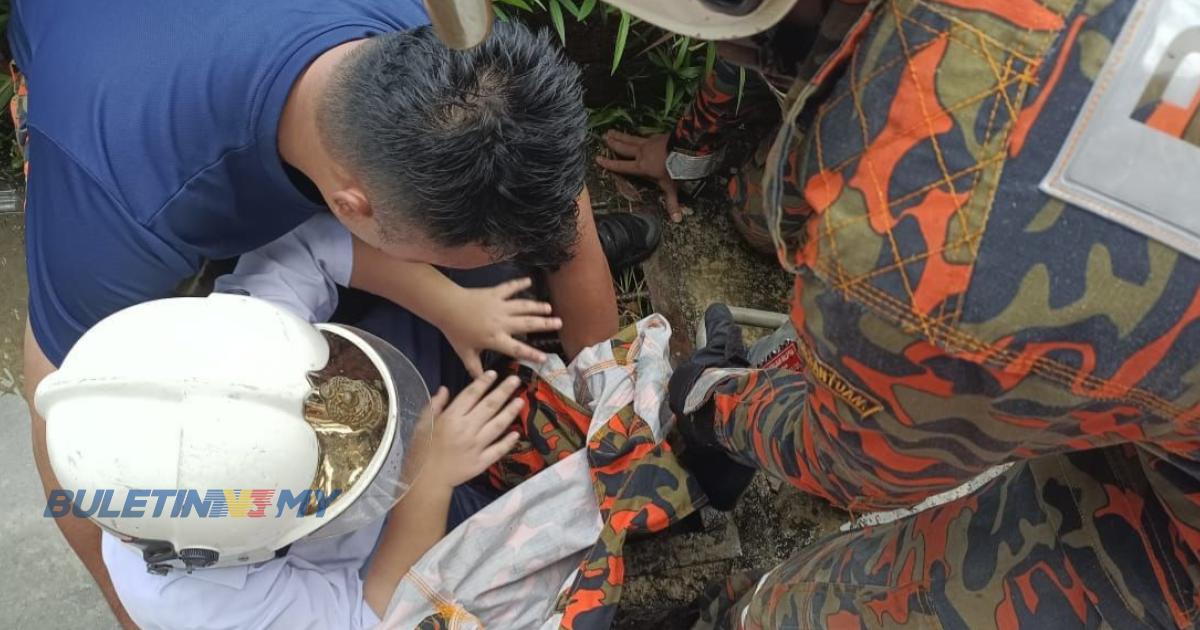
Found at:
<point>951,315</point>
<point>729,97</point>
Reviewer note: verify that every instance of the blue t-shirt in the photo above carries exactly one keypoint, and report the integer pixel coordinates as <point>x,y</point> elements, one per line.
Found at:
<point>153,139</point>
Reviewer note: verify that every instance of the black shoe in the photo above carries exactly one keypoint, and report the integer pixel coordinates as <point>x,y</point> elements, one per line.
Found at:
<point>721,477</point>
<point>628,239</point>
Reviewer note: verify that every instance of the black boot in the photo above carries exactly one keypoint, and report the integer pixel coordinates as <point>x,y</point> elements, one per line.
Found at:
<point>628,239</point>
<point>722,479</point>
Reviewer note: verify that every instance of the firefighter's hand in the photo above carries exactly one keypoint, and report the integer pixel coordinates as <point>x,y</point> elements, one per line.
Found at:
<point>472,432</point>
<point>490,319</point>
<point>645,158</point>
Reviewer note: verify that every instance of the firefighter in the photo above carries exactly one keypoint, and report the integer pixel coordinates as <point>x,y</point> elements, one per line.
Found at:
<point>987,208</point>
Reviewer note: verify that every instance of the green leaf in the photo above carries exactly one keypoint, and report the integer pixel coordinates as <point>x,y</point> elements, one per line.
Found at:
<point>670,96</point>
<point>501,14</point>
<point>710,58</point>
<point>608,116</point>
<point>741,89</point>
<point>681,56</point>
<point>622,39</point>
<point>556,18</point>
<point>586,9</point>
<point>571,8</point>
<point>519,4</point>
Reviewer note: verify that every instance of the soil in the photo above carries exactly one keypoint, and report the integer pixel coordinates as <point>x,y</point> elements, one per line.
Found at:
<point>701,261</point>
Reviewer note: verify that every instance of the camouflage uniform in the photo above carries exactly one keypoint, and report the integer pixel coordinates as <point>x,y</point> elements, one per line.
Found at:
<point>951,318</point>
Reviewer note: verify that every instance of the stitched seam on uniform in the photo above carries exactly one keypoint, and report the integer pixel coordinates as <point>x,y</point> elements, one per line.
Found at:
<point>989,136</point>
<point>957,340</point>
<point>880,194</point>
<point>874,273</point>
<point>440,603</point>
<point>1029,72</point>
<point>886,66</point>
<point>1115,57</point>
<point>1047,368</point>
<point>977,31</point>
<point>970,170</point>
<point>828,218</point>
<point>1012,109</point>
<point>1008,127</point>
<point>937,147</point>
<point>953,109</point>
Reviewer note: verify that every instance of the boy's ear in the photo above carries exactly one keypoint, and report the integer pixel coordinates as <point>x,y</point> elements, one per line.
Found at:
<point>351,206</point>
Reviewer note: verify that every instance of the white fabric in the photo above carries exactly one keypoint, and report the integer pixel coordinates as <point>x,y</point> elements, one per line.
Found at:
<point>300,271</point>
<point>506,566</point>
<point>317,584</point>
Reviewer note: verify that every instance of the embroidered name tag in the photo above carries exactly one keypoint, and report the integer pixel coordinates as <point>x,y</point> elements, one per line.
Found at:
<point>860,401</point>
<point>786,357</point>
<point>1133,155</point>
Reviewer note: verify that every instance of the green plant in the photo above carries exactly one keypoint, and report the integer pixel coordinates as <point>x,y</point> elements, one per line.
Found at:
<point>668,65</point>
<point>579,10</point>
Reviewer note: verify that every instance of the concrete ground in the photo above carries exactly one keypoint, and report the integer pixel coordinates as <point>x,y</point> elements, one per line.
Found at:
<point>42,585</point>
<point>702,261</point>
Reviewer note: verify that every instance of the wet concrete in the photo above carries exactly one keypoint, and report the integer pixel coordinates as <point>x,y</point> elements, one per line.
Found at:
<point>42,585</point>
<point>702,261</point>
<point>12,299</point>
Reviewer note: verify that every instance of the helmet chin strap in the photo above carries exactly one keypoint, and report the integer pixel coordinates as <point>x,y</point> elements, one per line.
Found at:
<point>461,24</point>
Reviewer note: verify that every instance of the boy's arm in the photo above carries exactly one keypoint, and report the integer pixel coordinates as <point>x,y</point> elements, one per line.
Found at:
<point>582,290</point>
<point>418,287</point>
<point>299,272</point>
<point>473,320</point>
<point>415,525</point>
<point>469,434</point>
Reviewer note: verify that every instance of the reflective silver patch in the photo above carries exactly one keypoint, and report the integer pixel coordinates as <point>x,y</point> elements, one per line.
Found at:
<point>1133,155</point>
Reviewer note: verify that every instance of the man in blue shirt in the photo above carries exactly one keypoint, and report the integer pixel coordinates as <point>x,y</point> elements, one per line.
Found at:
<point>161,135</point>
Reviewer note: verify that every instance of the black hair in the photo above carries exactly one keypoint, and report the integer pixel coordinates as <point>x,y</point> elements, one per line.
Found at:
<point>483,146</point>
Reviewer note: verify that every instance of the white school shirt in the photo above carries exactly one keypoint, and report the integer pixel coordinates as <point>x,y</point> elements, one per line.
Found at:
<point>318,584</point>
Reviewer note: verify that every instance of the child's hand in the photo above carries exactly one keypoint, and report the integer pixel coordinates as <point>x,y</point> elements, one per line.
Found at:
<point>467,432</point>
<point>487,319</point>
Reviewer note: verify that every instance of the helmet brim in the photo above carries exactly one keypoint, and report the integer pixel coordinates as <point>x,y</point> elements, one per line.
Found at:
<point>696,19</point>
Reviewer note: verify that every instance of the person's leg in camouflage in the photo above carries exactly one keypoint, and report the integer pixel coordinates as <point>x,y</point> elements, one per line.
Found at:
<point>1060,542</point>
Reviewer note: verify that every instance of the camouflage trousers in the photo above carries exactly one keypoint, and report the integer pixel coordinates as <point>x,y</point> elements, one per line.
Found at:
<point>921,368</point>
<point>1063,541</point>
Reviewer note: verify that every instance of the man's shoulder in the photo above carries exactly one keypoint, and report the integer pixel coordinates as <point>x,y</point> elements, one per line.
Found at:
<point>151,99</point>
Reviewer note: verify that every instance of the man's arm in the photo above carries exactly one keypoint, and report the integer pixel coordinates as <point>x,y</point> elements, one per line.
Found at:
<point>82,535</point>
<point>582,290</point>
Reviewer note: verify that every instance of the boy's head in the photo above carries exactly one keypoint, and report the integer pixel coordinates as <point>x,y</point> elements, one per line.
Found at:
<point>459,158</point>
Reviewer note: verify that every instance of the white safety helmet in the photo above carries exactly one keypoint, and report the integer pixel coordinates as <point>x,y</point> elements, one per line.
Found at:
<point>709,19</point>
<point>465,23</point>
<point>210,432</point>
